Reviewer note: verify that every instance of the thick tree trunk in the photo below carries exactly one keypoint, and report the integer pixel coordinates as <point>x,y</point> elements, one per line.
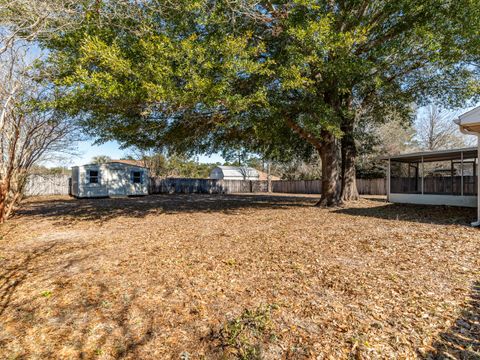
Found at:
<point>3,202</point>
<point>329,157</point>
<point>6,182</point>
<point>327,148</point>
<point>349,190</point>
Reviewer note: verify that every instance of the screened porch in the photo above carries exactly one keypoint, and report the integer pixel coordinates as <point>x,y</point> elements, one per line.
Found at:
<point>446,177</point>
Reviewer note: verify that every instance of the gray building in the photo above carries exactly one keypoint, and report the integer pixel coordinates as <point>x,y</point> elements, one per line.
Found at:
<point>111,179</point>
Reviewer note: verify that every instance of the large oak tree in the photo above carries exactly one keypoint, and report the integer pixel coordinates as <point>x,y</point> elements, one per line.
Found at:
<point>275,77</point>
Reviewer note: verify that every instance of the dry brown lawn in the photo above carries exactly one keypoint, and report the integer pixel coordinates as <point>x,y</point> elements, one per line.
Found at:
<point>239,276</point>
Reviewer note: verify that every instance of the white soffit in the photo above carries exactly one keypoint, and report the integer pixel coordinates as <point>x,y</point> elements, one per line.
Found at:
<point>470,120</point>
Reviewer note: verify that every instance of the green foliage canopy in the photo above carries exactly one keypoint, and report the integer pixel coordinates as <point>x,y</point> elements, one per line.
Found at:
<point>267,76</point>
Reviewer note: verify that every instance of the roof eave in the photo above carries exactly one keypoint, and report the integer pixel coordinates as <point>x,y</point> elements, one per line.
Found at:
<point>430,154</point>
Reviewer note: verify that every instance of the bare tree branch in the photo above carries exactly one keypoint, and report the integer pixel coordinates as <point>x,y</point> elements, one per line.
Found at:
<point>29,133</point>
<point>436,130</point>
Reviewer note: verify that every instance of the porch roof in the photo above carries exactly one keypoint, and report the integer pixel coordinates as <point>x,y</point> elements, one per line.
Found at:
<point>438,155</point>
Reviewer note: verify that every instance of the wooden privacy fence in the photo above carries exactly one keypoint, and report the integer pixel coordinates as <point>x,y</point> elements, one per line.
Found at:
<point>208,186</point>
<point>205,186</point>
<point>364,186</point>
<point>58,185</point>
<point>297,186</point>
<point>372,186</point>
<point>436,185</point>
<point>47,185</point>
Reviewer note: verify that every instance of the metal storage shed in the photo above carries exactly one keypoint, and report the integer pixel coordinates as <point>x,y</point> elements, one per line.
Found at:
<point>234,173</point>
<point>109,180</point>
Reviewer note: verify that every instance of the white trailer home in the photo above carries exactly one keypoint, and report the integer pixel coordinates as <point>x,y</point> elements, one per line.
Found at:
<point>109,180</point>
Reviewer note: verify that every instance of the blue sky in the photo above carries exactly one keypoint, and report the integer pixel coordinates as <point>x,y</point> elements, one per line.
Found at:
<point>87,150</point>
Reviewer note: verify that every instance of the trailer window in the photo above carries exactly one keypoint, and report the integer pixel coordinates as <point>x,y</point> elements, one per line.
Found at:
<point>136,177</point>
<point>93,176</point>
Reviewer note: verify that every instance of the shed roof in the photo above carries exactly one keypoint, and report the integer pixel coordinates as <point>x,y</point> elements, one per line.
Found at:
<point>129,162</point>
<point>437,155</point>
<point>135,163</point>
<point>238,171</point>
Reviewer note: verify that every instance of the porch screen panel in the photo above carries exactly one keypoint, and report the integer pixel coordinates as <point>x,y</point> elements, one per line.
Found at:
<point>405,177</point>
<point>441,178</point>
<point>457,177</point>
<point>470,178</point>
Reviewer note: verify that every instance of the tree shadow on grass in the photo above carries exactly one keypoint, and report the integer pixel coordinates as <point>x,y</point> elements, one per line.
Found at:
<point>430,214</point>
<point>127,325</point>
<point>12,276</point>
<point>85,319</point>
<point>100,210</point>
<point>462,339</point>
<point>376,198</point>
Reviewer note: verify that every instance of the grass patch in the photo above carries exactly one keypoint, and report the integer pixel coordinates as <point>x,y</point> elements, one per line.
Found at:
<point>245,336</point>
<point>46,294</point>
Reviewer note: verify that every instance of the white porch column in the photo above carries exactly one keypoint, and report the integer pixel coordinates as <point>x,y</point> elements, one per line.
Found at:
<point>423,170</point>
<point>461,174</point>
<point>388,179</point>
<point>477,223</point>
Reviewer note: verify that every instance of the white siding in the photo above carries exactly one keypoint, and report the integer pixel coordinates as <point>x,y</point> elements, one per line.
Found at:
<point>114,179</point>
<point>450,200</point>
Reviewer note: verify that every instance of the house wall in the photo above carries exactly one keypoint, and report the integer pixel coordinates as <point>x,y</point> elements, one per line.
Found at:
<point>229,177</point>
<point>232,173</point>
<point>120,181</point>
<point>450,200</point>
